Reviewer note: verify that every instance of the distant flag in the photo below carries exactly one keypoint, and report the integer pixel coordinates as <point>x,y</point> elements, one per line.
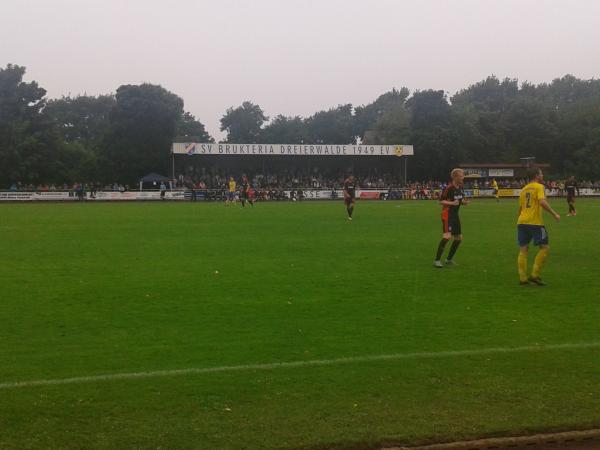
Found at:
<point>190,149</point>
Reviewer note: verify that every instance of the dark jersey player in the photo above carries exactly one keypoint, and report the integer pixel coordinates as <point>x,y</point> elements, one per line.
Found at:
<point>451,199</point>
<point>349,195</point>
<point>245,192</point>
<point>571,187</point>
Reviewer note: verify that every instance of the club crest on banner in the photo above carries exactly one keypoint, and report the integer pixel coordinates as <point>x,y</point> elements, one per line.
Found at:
<point>190,149</point>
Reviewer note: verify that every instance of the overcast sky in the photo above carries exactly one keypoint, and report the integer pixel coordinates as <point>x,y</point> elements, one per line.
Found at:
<point>294,57</point>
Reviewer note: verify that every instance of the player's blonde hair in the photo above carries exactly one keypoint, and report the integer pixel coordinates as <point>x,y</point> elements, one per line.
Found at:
<point>455,172</point>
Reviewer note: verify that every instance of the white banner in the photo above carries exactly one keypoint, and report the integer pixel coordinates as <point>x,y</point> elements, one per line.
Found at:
<point>17,196</point>
<point>364,194</point>
<point>102,195</point>
<point>194,148</point>
<point>138,195</point>
<point>514,192</point>
<point>33,196</point>
<point>501,172</point>
<point>318,194</point>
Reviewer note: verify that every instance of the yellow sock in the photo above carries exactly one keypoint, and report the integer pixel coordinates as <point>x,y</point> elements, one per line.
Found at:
<point>539,262</point>
<point>522,265</point>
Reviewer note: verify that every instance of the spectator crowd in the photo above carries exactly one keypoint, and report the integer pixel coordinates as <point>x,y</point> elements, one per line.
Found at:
<point>271,186</point>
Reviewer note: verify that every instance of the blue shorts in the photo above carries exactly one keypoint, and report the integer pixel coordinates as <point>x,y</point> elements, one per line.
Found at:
<point>525,233</point>
<point>231,195</point>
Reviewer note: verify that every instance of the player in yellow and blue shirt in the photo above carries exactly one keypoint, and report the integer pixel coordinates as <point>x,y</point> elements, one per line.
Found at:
<point>231,191</point>
<point>495,188</point>
<point>530,226</point>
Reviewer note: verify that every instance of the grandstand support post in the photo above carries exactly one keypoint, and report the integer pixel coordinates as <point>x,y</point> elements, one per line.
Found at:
<point>528,161</point>
<point>173,163</point>
<point>405,169</point>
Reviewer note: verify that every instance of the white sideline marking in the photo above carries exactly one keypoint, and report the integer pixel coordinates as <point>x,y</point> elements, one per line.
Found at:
<point>282,365</point>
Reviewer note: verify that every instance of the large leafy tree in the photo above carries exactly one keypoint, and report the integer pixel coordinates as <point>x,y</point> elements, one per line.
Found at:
<point>125,136</point>
<point>433,135</point>
<point>142,129</point>
<point>334,126</point>
<point>383,119</point>
<point>282,130</point>
<point>480,111</point>
<point>585,161</point>
<point>244,123</point>
<point>575,104</point>
<point>83,119</point>
<point>30,147</point>
<point>500,121</point>
<point>83,123</point>
<point>393,127</point>
<point>529,130</point>
<point>192,130</point>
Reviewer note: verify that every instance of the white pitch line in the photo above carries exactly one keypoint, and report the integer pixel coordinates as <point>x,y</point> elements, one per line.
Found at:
<point>291,364</point>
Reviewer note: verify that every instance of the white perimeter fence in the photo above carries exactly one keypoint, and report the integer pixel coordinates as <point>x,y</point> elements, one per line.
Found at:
<point>264,194</point>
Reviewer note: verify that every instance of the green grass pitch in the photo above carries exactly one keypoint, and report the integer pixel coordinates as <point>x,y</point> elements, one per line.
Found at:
<point>103,289</point>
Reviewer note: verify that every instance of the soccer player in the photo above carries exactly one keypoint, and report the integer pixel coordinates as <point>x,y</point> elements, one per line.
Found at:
<point>349,195</point>
<point>244,190</point>
<point>495,188</point>
<point>251,195</point>
<point>230,191</point>
<point>451,199</point>
<point>530,226</point>
<point>571,187</point>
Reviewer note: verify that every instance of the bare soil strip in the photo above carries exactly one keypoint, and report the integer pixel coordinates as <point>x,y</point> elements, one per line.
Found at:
<point>572,440</point>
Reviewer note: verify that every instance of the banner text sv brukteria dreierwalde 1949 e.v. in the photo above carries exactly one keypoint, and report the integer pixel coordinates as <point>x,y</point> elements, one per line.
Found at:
<point>195,148</point>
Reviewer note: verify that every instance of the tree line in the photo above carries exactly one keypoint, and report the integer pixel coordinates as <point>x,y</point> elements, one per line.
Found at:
<point>124,136</point>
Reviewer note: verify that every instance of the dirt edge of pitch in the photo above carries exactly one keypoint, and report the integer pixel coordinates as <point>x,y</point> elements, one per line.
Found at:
<point>589,438</point>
